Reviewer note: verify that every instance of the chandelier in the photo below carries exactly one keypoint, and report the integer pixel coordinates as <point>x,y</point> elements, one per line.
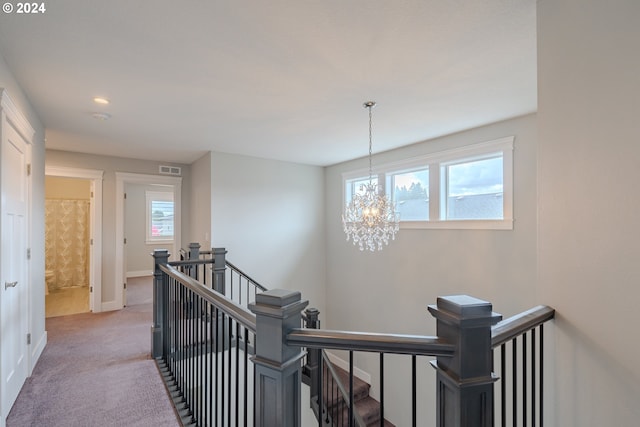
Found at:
<point>370,219</point>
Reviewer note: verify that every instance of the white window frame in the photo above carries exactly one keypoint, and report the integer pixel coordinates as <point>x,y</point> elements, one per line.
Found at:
<point>435,162</point>
<point>150,196</point>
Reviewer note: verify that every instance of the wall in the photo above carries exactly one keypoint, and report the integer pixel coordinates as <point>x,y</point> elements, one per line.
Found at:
<point>269,215</point>
<point>200,223</point>
<point>36,295</point>
<point>389,291</point>
<point>138,261</point>
<point>589,103</point>
<point>111,165</point>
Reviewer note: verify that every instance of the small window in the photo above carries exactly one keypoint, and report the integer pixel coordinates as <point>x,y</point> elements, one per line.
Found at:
<point>474,189</point>
<point>410,190</point>
<point>160,217</point>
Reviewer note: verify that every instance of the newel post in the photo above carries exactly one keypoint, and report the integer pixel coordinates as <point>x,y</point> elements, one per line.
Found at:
<point>219,269</point>
<point>160,257</point>
<point>194,255</point>
<point>465,381</point>
<point>278,373</point>
<point>313,354</point>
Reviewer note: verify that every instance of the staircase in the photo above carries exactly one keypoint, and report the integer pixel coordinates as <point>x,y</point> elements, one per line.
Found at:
<point>365,405</point>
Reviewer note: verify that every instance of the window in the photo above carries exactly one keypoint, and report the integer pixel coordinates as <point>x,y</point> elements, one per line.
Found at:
<point>463,188</point>
<point>410,192</point>
<point>356,186</point>
<point>160,216</point>
<point>474,189</point>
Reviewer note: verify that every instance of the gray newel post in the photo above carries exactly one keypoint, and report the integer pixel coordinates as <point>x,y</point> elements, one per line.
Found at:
<point>194,255</point>
<point>313,354</point>
<point>219,269</point>
<point>277,365</point>
<point>465,381</point>
<point>160,257</point>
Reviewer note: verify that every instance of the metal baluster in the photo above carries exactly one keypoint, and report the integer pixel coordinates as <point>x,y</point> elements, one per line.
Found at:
<point>413,391</point>
<point>381,389</point>
<point>524,379</point>
<point>503,385</point>
<point>541,405</point>
<point>319,386</point>
<point>237,372</point>
<point>533,378</point>
<point>229,377</point>
<point>246,365</point>
<point>216,376</point>
<point>350,388</point>
<point>514,381</point>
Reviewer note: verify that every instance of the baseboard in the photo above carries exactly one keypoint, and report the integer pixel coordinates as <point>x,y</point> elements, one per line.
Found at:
<point>111,306</point>
<point>139,273</point>
<point>364,376</point>
<point>37,350</point>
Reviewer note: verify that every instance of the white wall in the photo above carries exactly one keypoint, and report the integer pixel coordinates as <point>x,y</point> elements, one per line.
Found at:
<point>200,224</point>
<point>111,165</point>
<point>589,149</point>
<point>389,291</point>
<point>36,294</point>
<point>138,261</point>
<point>269,215</point>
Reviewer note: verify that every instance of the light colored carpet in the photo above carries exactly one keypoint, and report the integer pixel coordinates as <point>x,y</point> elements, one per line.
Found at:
<point>96,371</point>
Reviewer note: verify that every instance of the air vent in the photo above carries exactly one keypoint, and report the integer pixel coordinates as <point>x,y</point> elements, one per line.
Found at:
<point>170,170</point>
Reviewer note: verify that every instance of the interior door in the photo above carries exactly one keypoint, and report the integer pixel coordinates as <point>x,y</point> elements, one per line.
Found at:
<point>14,284</point>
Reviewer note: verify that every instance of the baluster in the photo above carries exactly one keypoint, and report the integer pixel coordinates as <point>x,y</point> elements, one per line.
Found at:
<point>381,389</point>
<point>413,390</point>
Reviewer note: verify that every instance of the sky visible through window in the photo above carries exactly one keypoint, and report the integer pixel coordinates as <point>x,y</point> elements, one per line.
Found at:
<point>477,177</point>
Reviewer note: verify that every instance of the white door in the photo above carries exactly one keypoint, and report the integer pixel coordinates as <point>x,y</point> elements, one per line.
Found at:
<point>13,266</point>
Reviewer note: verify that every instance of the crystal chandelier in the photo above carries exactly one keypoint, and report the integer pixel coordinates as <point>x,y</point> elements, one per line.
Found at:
<point>370,219</point>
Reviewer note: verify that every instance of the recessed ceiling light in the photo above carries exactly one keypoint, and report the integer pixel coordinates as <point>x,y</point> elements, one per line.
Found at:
<point>101,116</point>
<point>101,100</point>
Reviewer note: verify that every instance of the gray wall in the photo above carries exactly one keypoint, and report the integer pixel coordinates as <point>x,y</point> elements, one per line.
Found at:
<point>111,165</point>
<point>389,291</point>
<point>269,215</point>
<point>589,102</point>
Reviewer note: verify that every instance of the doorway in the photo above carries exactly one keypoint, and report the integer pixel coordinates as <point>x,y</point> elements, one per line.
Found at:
<point>73,240</point>
<point>130,181</point>
<point>67,243</point>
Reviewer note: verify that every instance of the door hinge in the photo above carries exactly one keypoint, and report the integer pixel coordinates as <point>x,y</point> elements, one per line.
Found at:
<point>125,240</point>
<point>28,339</point>
<point>29,253</point>
<point>91,194</point>
<point>28,169</point>
<point>125,196</point>
<point>91,241</point>
<point>90,288</point>
<point>125,285</point>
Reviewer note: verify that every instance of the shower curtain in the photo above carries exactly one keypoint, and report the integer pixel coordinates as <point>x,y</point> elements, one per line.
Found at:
<point>67,242</point>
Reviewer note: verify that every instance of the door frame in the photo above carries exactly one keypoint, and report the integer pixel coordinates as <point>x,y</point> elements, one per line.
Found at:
<point>95,178</point>
<point>123,178</point>
<point>11,115</point>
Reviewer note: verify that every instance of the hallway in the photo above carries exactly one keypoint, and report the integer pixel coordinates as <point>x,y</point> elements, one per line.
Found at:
<point>96,371</point>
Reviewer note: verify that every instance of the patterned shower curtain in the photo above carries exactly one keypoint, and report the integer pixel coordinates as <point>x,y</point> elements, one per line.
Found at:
<point>67,242</point>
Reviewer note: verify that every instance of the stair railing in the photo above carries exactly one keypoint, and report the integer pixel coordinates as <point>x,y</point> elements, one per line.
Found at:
<point>521,391</point>
<point>202,343</point>
<point>199,335</point>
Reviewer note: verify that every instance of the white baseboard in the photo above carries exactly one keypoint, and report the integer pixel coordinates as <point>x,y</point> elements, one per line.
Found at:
<point>37,350</point>
<point>139,273</point>
<point>111,306</point>
<point>364,376</point>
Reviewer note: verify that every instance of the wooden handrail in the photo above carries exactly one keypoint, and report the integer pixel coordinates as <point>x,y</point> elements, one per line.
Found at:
<point>230,308</point>
<point>372,342</point>
<point>516,325</point>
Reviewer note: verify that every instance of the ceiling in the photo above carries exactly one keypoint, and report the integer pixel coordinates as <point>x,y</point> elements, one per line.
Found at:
<point>283,79</point>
